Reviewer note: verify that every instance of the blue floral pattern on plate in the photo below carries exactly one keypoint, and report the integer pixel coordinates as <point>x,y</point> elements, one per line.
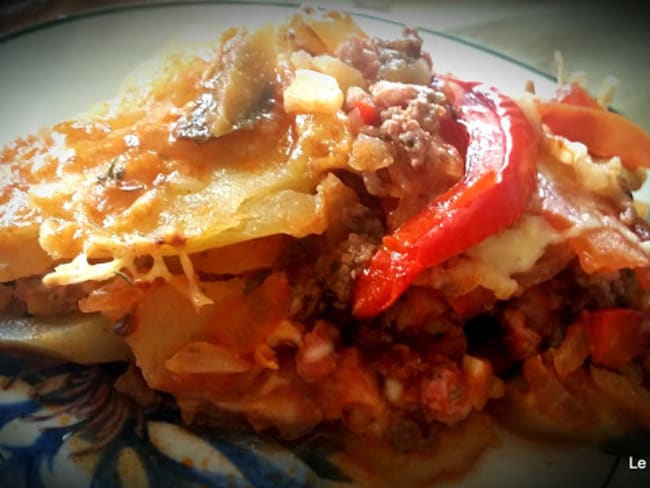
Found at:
<point>115,442</point>
<point>63,424</point>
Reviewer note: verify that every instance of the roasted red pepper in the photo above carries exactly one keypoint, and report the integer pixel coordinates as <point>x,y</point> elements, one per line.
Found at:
<point>576,115</point>
<point>574,94</point>
<point>606,134</point>
<point>616,335</point>
<point>367,111</point>
<point>500,174</point>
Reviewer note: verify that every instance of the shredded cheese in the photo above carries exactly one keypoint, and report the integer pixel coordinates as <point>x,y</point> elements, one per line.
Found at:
<point>515,250</point>
<point>80,270</point>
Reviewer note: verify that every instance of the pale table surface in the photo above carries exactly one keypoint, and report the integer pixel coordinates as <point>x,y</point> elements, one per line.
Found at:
<point>600,39</point>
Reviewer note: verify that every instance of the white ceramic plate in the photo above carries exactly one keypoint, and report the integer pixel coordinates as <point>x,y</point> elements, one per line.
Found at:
<point>55,71</point>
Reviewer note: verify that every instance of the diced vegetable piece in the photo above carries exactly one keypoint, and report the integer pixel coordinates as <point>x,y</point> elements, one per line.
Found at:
<point>317,358</point>
<point>313,92</point>
<point>367,111</point>
<point>627,394</point>
<point>480,379</point>
<point>573,350</point>
<point>204,357</point>
<point>553,398</point>
<point>616,336</point>
<point>345,75</point>
<point>370,154</point>
<point>167,330</point>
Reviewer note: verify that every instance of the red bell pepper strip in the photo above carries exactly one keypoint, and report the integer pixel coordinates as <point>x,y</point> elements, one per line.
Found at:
<point>606,134</point>
<point>575,94</point>
<point>643,278</point>
<point>500,175</point>
<point>367,111</point>
<point>616,335</point>
<point>576,115</point>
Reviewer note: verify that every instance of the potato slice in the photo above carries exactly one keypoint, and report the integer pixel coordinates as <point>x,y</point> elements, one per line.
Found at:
<point>79,338</point>
<point>118,182</point>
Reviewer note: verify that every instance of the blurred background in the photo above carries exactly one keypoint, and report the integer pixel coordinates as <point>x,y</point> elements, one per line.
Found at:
<point>600,39</point>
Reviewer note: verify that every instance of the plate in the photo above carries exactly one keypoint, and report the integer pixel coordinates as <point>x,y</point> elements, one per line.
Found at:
<point>60,425</point>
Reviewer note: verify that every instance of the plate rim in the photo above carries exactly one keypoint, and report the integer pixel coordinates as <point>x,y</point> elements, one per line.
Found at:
<point>358,12</point>
<point>387,18</point>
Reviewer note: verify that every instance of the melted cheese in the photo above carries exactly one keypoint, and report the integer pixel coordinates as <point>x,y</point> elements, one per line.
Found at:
<point>515,250</point>
<point>117,182</point>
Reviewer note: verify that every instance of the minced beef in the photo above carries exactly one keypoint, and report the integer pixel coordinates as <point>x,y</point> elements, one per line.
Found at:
<point>376,58</point>
<point>354,252</point>
<point>424,164</point>
<point>409,120</point>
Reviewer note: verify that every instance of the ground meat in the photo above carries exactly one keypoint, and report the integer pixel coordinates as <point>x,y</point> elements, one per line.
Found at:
<point>6,294</point>
<point>406,435</point>
<point>521,340</point>
<point>363,54</point>
<point>306,292</point>
<point>541,308</point>
<point>410,44</point>
<point>409,121</point>
<point>323,269</point>
<point>386,94</point>
<point>424,165</point>
<point>379,59</point>
<point>431,385</point>
<point>445,395</point>
<point>602,291</point>
<point>306,295</point>
<point>360,219</point>
<point>418,164</point>
<point>449,343</point>
<point>355,251</point>
<point>539,317</point>
<point>417,309</point>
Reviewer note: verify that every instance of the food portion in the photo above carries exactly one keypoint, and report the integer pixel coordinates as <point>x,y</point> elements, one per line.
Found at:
<point>299,225</point>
